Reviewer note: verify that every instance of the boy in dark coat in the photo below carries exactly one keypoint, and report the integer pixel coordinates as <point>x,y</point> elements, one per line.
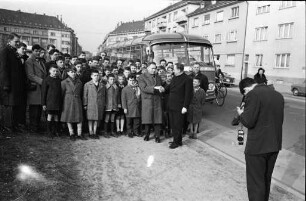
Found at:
<point>52,100</point>
<point>112,92</point>
<point>131,106</point>
<point>194,114</point>
<point>120,117</point>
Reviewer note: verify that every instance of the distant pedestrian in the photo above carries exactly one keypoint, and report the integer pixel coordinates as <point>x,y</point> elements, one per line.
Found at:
<point>195,111</point>
<point>131,106</point>
<point>52,101</point>
<point>94,102</point>
<point>72,103</point>
<point>263,115</point>
<point>260,77</point>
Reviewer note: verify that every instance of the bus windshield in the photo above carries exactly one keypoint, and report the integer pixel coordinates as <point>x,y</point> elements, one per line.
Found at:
<point>184,53</point>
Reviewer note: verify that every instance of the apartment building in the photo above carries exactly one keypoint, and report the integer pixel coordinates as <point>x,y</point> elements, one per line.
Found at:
<point>171,19</point>
<point>123,32</point>
<point>223,23</point>
<point>275,41</point>
<point>38,29</point>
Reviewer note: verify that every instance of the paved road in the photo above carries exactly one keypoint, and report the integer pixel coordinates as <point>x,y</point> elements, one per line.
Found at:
<point>294,123</point>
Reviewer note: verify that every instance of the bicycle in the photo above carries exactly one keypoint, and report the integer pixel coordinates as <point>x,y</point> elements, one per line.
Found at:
<point>220,93</point>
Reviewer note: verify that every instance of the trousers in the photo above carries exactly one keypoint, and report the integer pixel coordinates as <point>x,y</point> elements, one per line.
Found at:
<point>259,169</point>
<point>177,124</point>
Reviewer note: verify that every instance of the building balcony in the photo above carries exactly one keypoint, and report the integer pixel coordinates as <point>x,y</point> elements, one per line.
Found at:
<point>181,19</point>
<point>162,25</point>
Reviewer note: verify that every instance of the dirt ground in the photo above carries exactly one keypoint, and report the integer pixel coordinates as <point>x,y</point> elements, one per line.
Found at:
<point>119,169</point>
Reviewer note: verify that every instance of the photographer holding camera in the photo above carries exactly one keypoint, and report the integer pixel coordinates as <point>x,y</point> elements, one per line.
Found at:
<point>263,115</point>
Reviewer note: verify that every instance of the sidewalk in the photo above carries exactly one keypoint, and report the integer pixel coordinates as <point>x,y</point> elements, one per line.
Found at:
<point>289,171</point>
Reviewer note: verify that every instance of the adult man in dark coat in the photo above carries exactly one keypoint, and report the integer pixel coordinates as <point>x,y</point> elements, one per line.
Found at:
<point>36,72</point>
<point>263,115</point>
<point>180,95</point>
<point>12,82</point>
<point>151,110</point>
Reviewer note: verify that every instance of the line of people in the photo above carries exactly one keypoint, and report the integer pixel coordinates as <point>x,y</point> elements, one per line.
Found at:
<point>97,96</point>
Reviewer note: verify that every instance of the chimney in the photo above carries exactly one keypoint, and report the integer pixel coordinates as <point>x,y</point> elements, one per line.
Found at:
<point>57,16</point>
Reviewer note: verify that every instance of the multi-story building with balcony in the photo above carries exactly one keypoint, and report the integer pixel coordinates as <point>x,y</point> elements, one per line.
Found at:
<point>275,41</point>
<point>223,23</point>
<point>171,19</point>
<point>123,32</point>
<point>37,29</point>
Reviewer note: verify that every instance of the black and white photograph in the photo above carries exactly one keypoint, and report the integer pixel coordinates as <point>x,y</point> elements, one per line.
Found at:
<point>142,100</point>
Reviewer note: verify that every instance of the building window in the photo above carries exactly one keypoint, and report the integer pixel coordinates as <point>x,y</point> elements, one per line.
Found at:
<point>263,9</point>
<point>287,4</point>
<point>52,41</point>
<point>16,30</point>
<point>175,15</point>
<point>230,61</point>
<point>35,40</point>
<point>282,60</point>
<point>52,33</point>
<point>25,38</point>
<point>285,30</point>
<point>219,17</point>
<point>44,33</point>
<point>6,29</point>
<point>153,23</point>
<point>65,43</point>
<point>261,33</point>
<point>205,36</point>
<point>258,58</point>
<point>232,35</point>
<point>27,31</point>
<point>235,12</point>
<point>169,18</point>
<point>206,19</point>
<point>218,38</point>
<point>35,32</point>
<point>195,22</point>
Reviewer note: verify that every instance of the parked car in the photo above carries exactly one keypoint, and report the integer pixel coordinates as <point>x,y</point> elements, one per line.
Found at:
<point>298,89</point>
<point>228,80</point>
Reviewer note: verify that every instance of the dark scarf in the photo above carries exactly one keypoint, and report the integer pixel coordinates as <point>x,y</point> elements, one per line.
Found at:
<point>13,49</point>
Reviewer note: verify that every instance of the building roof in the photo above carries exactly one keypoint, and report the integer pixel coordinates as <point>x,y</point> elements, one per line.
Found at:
<point>19,18</point>
<point>173,7</point>
<point>134,26</point>
<point>211,7</point>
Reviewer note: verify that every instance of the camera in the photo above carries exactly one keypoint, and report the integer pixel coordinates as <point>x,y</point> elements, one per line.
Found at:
<point>240,137</point>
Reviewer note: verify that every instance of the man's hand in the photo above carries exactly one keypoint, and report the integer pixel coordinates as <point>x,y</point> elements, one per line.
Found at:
<point>184,110</point>
<point>44,107</point>
<point>161,89</point>
<point>119,105</point>
<point>125,111</point>
<point>240,110</point>
<point>85,107</point>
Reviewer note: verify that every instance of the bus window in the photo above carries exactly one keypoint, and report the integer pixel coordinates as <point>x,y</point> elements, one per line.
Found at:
<point>200,53</point>
<point>174,52</point>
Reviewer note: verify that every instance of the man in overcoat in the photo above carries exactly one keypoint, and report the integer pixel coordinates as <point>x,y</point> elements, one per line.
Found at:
<point>180,95</point>
<point>263,115</point>
<point>12,83</point>
<point>151,107</point>
<point>36,73</point>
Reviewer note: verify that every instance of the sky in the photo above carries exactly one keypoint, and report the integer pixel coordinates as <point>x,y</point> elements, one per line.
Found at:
<point>90,19</point>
